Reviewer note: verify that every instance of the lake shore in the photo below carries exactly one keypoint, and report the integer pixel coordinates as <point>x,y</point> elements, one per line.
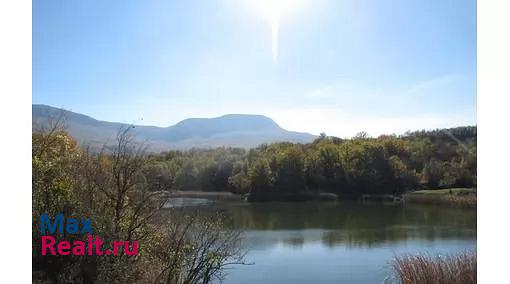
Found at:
<point>229,196</point>
<point>212,195</point>
<point>457,197</point>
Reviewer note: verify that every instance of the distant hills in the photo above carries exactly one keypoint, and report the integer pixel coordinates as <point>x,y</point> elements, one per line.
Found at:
<point>231,130</point>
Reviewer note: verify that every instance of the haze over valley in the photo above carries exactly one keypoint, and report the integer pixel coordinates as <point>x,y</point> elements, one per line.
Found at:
<point>231,130</point>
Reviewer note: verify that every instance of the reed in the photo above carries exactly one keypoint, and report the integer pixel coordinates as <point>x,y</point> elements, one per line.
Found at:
<point>447,269</point>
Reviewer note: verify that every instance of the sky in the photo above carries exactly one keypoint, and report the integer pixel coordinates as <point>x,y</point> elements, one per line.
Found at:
<point>333,66</point>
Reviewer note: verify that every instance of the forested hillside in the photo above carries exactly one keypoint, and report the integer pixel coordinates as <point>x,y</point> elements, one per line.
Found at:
<point>347,167</point>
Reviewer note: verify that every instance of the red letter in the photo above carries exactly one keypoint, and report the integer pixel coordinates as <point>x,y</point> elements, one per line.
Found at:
<point>134,251</point>
<point>49,244</point>
<point>79,248</point>
<point>89,244</point>
<point>98,243</point>
<point>63,247</point>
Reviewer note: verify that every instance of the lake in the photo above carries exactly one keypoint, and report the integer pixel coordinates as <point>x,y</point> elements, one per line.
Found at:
<point>337,242</point>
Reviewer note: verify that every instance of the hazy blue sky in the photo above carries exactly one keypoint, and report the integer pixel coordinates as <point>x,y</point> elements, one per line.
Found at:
<point>342,66</point>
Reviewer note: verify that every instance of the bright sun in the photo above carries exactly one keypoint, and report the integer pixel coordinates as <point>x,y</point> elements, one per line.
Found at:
<point>274,10</point>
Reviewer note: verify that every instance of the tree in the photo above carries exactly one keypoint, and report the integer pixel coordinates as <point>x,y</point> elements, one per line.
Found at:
<point>197,249</point>
<point>114,188</point>
<point>260,180</point>
<point>434,172</point>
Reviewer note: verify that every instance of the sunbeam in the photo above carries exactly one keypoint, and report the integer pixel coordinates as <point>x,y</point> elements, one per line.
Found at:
<point>275,21</point>
<point>274,11</point>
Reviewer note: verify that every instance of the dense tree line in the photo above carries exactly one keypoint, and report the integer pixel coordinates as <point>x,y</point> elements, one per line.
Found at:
<point>388,164</point>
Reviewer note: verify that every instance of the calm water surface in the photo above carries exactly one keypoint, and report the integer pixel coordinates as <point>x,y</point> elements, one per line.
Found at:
<point>338,242</point>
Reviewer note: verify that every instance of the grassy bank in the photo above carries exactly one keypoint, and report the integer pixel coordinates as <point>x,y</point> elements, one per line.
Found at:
<point>458,197</point>
<point>423,269</point>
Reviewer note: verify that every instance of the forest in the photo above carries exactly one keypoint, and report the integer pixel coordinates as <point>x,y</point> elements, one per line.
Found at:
<point>348,168</point>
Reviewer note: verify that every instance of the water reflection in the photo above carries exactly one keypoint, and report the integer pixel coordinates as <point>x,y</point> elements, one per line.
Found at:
<point>180,202</point>
<point>348,223</point>
<point>337,242</point>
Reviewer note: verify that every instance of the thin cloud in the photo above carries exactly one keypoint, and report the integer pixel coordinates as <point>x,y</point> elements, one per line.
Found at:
<point>432,84</point>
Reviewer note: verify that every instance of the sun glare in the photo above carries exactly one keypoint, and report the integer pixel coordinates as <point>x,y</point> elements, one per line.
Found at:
<point>273,11</point>
<point>275,21</point>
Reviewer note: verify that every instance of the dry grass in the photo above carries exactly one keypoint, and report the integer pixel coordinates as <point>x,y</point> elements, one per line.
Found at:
<point>464,201</point>
<point>463,198</point>
<point>448,269</point>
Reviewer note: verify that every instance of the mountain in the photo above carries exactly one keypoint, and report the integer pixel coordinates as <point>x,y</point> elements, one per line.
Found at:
<point>234,130</point>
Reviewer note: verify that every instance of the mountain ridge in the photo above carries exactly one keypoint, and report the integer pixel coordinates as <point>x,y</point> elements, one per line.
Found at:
<point>229,130</point>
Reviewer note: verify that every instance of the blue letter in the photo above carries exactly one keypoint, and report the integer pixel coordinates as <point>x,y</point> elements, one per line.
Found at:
<point>46,222</point>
